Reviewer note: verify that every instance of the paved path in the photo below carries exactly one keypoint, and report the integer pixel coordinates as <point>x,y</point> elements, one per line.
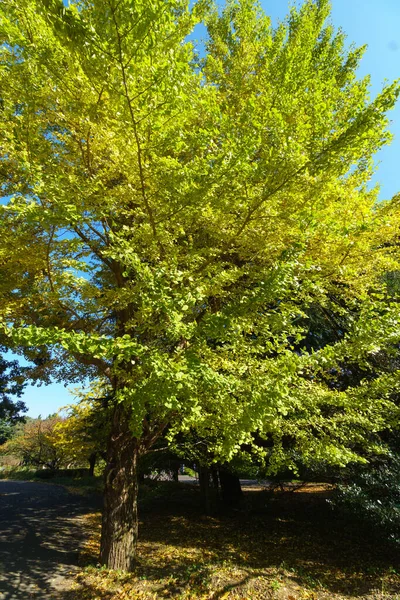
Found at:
<point>40,536</point>
<point>243,482</point>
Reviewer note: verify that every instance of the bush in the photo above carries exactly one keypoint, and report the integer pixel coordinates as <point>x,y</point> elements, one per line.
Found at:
<point>189,472</point>
<point>17,473</point>
<point>45,473</point>
<point>51,473</point>
<point>373,497</point>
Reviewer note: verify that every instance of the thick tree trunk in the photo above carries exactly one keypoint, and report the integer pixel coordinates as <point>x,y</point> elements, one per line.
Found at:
<point>120,519</point>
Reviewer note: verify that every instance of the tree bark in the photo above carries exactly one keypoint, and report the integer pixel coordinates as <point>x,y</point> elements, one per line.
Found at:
<point>214,477</point>
<point>231,490</point>
<point>204,481</point>
<point>175,473</point>
<point>92,463</point>
<point>120,519</point>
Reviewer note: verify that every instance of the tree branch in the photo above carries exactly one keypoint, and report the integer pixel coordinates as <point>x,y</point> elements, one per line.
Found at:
<point>135,131</point>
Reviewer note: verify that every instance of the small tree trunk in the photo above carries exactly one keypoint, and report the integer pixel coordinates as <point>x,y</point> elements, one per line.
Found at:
<point>204,480</point>
<point>92,463</point>
<point>215,478</point>
<point>120,519</point>
<point>175,473</point>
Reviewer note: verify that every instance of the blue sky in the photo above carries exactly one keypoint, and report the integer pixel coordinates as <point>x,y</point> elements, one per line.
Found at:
<point>377,24</point>
<point>365,22</point>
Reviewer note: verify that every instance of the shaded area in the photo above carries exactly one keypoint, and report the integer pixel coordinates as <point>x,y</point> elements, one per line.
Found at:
<point>41,530</point>
<point>281,545</point>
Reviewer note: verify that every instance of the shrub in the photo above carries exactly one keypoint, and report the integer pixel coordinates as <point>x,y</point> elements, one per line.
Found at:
<point>372,496</point>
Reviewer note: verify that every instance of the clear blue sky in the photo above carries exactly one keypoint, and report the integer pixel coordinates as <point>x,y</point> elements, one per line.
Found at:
<point>377,24</point>
<point>372,22</point>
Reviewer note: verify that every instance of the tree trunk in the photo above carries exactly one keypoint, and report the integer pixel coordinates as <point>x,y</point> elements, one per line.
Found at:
<point>120,519</point>
<point>92,463</point>
<point>204,480</point>
<point>214,477</point>
<point>231,490</point>
<point>175,473</point>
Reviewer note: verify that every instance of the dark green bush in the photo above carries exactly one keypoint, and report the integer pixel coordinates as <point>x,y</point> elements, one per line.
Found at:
<point>51,473</point>
<point>372,497</point>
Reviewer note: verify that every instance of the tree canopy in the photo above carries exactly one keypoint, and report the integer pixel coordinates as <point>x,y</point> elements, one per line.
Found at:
<point>173,216</point>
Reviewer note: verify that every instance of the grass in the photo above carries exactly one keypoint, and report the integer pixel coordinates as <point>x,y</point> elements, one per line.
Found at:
<point>85,485</point>
<point>283,546</point>
<point>17,473</point>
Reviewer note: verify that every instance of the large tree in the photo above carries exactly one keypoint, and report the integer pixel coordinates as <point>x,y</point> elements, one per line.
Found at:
<point>173,214</point>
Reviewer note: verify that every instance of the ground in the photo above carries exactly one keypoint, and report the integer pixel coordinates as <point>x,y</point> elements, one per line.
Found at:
<point>42,530</point>
<point>279,546</point>
<point>283,546</point>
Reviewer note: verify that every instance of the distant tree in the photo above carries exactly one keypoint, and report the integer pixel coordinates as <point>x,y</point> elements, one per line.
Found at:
<point>6,430</point>
<point>34,443</point>
<point>83,433</point>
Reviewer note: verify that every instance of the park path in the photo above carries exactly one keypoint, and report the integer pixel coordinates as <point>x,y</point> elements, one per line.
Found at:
<point>41,530</point>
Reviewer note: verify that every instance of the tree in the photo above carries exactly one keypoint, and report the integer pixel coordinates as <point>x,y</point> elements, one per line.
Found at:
<point>6,431</point>
<point>34,442</point>
<point>172,215</point>
<point>11,384</point>
<point>82,434</point>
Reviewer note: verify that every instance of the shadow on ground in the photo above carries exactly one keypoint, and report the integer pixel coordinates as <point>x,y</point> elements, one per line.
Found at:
<point>279,546</point>
<point>40,536</point>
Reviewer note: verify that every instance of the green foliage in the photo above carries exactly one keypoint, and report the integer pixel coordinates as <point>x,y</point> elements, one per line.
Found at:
<point>189,472</point>
<point>173,217</point>
<point>76,484</point>
<point>18,473</point>
<point>372,497</point>
<point>11,385</point>
<point>6,431</point>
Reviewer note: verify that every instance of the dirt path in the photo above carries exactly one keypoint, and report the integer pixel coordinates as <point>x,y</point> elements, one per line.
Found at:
<point>40,535</point>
